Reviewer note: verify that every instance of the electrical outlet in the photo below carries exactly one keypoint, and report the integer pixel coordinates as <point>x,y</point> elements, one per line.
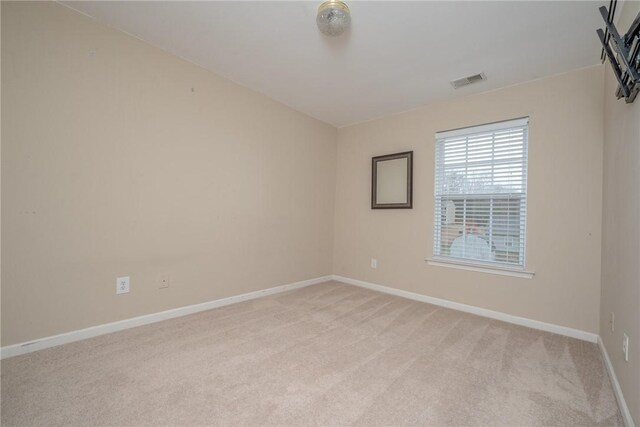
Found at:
<point>613,321</point>
<point>374,263</point>
<point>122,285</point>
<point>163,281</point>
<point>625,347</point>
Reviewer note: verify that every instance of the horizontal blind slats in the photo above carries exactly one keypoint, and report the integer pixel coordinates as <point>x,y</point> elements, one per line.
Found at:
<point>498,127</point>
<point>480,193</point>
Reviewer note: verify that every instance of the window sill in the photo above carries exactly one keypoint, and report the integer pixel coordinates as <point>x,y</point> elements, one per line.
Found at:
<point>481,269</point>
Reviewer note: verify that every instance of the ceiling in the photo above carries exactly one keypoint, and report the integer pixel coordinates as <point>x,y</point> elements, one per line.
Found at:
<point>397,55</point>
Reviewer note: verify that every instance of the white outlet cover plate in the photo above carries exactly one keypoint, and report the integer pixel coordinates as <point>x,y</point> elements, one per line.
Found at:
<point>164,280</point>
<point>122,285</point>
<point>613,322</point>
<point>625,346</point>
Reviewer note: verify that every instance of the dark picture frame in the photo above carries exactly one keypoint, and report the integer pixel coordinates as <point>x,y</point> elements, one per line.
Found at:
<point>388,188</point>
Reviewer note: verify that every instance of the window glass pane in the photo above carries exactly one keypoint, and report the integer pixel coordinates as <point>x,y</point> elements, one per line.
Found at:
<point>480,197</point>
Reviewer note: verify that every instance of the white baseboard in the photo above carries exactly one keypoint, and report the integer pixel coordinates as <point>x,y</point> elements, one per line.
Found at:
<point>68,337</point>
<point>624,409</point>
<point>522,321</point>
<point>94,331</point>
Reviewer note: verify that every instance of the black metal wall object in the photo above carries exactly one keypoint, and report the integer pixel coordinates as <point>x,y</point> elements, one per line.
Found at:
<point>610,16</point>
<point>623,53</point>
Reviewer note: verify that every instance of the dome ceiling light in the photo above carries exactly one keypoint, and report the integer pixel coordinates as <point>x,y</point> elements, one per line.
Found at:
<point>333,18</point>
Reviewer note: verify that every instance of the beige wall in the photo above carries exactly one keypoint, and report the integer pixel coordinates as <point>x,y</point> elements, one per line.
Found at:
<point>121,159</point>
<point>621,231</point>
<point>564,217</point>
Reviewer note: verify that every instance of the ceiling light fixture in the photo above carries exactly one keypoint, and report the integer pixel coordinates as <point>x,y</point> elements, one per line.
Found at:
<point>333,18</point>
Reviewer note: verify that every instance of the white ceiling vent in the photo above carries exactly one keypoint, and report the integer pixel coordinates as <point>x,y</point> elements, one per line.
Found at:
<point>468,80</point>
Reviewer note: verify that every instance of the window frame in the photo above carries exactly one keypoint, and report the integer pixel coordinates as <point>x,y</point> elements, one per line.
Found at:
<point>497,267</point>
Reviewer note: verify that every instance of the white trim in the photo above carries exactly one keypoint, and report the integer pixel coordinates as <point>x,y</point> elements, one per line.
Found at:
<point>516,320</point>
<point>481,269</point>
<point>624,409</point>
<point>489,127</point>
<point>94,331</point>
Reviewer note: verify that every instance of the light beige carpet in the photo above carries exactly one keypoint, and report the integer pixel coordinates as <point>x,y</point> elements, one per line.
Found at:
<point>329,354</point>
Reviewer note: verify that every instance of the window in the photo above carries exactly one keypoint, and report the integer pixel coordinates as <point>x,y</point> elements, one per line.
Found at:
<point>481,194</point>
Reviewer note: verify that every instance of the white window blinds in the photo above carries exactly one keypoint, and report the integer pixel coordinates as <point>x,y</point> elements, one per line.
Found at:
<point>481,194</point>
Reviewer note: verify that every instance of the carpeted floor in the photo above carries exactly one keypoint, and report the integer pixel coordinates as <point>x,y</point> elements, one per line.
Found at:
<point>329,354</point>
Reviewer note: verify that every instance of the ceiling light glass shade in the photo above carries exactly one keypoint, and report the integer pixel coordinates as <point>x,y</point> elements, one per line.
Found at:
<point>333,18</point>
